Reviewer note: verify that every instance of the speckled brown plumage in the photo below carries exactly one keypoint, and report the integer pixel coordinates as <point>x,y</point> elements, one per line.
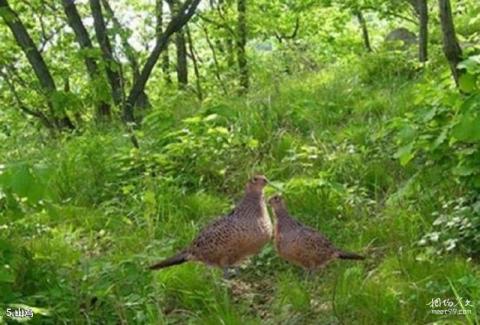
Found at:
<point>229,240</point>
<point>302,245</point>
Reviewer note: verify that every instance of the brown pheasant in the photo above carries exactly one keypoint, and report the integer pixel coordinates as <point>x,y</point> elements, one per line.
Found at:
<point>302,245</point>
<point>229,240</point>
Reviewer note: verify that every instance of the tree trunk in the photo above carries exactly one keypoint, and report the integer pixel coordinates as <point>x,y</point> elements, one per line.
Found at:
<point>83,39</point>
<point>215,61</point>
<point>451,48</point>
<point>182,64</point>
<point>177,22</point>
<point>159,31</point>
<point>166,65</point>
<point>241,44</point>
<point>196,69</point>
<point>229,39</point>
<point>113,75</point>
<point>422,11</point>
<point>363,25</point>
<point>180,44</point>
<point>37,62</point>
<point>143,101</point>
<point>229,44</point>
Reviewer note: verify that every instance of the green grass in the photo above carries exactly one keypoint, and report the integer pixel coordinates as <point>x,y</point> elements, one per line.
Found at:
<point>80,226</point>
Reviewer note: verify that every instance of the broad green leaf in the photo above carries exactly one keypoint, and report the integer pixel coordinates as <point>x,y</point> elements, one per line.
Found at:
<point>467,83</point>
<point>21,180</point>
<point>6,275</point>
<point>193,120</point>
<point>252,144</point>
<point>149,197</point>
<point>405,154</point>
<point>472,64</point>
<point>468,128</point>
<point>464,170</point>
<point>440,139</point>
<point>210,117</point>
<point>430,114</point>
<point>407,133</point>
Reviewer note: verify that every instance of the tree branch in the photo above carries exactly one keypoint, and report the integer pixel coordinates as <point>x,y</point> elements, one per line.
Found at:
<point>83,39</point>
<point>35,58</point>
<point>280,36</point>
<point>159,14</point>
<point>143,100</point>
<point>42,117</point>
<point>215,60</point>
<point>218,24</point>
<point>388,13</point>
<point>102,38</point>
<point>28,47</point>
<point>196,68</point>
<point>185,13</point>
<point>129,50</point>
<point>81,34</point>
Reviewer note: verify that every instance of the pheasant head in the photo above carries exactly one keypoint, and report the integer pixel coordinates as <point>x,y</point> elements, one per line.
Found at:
<point>256,184</point>
<point>278,205</point>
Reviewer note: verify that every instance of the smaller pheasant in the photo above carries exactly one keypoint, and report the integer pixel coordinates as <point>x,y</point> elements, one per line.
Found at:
<point>302,245</point>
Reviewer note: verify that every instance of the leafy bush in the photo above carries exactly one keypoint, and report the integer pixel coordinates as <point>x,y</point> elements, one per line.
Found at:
<point>202,150</point>
<point>386,65</point>
<point>444,133</point>
<point>443,130</point>
<point>457,226</point>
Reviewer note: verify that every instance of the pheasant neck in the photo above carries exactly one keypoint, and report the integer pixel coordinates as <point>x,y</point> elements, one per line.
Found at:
<point>252,201</point>
<point>282,214</point>
<point>253,196</point>
<point>284,222</point>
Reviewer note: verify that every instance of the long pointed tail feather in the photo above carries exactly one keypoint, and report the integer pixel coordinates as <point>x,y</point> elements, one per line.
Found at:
<point>349,256</point>
<point>174,260</point>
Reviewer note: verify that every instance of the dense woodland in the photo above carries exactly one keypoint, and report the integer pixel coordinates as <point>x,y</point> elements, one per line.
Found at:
<point>127,126</point>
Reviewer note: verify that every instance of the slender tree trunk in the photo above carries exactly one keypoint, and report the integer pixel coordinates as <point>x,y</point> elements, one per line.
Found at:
<point>196,69</point>
<point>181,47</point>
<point>177,22</point>
<point>114,77</point>
<point>66,89</point>
<point>422,11</point>
<point>182,63</point>
<point>83,39</point>
<point>159,31</point>
<point>229,44</point>
<point>363,25</point>
<point>451,48</point>
<point>215,60</point>
<point>143,101</point>
<point>241,44</point>
<point>166,64</point>
<point>37,62</point>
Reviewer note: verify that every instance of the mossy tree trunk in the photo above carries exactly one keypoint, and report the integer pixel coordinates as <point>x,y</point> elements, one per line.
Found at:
<point>244,77</point>
<point>451,48</point>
